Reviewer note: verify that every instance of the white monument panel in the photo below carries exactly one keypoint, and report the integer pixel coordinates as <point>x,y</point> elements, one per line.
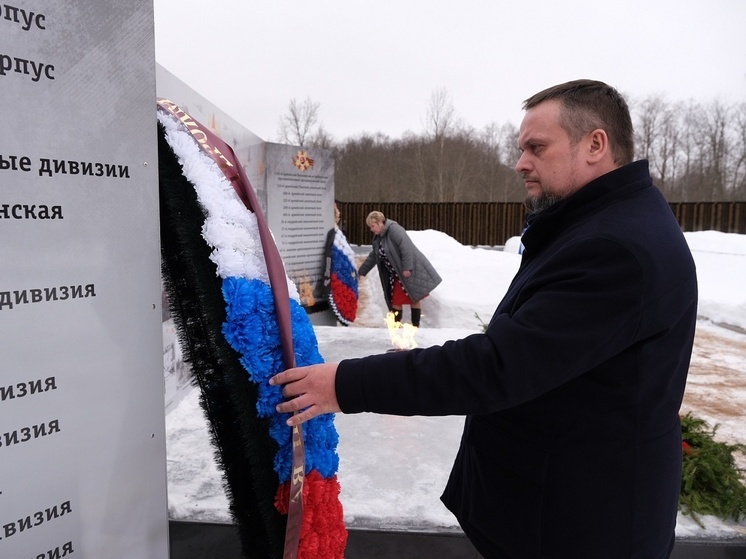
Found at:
<point>82,439</point>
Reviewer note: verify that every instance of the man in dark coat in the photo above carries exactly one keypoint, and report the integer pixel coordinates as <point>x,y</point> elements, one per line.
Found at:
<point>572,442</point>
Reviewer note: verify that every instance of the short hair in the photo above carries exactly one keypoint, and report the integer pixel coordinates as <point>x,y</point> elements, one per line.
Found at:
<point>588,105</point>
<point>375,216</point>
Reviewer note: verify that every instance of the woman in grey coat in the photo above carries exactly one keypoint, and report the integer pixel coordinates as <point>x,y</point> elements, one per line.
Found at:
<point>406,274</point>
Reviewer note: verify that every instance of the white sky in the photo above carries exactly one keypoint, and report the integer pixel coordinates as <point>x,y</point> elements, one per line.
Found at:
<point>373,66</point>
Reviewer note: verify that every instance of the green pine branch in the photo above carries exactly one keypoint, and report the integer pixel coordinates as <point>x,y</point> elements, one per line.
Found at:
<point>711,482</point>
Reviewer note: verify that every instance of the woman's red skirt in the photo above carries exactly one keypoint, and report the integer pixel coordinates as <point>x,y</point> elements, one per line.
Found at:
<point>399,297</point>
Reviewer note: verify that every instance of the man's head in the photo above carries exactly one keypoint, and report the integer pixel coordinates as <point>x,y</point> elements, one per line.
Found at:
<point>572,133</point>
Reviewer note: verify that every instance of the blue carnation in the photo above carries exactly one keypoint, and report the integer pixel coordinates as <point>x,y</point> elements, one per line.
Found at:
<point>251,328</point>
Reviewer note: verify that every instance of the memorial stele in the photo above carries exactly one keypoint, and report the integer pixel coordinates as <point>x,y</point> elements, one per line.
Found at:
<point>82,433</point>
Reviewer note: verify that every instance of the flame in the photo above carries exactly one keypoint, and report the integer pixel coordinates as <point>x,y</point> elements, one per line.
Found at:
<point>402,335</point>
<point>305,291</point>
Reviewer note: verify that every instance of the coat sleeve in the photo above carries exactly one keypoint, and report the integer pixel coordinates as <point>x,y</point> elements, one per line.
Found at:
<point>561,324</point>
<point>367,266</point>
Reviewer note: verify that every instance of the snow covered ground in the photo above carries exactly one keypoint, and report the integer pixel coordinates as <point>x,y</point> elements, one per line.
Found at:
<point>418,451</point>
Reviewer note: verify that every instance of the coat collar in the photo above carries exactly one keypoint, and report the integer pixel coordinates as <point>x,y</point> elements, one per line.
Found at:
<point>386,226</point>
<point>617,184</point>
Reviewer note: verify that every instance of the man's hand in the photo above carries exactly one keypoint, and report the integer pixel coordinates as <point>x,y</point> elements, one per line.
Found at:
<point>310,389</point>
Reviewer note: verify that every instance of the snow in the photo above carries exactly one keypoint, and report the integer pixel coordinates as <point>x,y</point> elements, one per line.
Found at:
<point>418,451</point>
<point>720,272</point>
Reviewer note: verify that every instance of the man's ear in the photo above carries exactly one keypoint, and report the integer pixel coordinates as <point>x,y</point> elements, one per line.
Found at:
<point>598,146</point>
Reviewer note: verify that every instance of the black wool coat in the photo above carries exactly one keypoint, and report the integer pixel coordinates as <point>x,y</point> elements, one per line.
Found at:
<point>572,442</point>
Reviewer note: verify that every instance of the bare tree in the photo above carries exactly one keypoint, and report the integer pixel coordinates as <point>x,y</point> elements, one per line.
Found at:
<point>716,153</point>
<point>499,148</point>
<point>420,168</point>
<point>667,156</point>
<point>367,170</point>
<point>657,139</point>
<point>697,153</point>
<point>737,170</point>
<point>440,114</point>
<point>297,125</point>
<point>648,121</point>
<point>321,138</point>
<point>690,184</point>
<point>440,121</point>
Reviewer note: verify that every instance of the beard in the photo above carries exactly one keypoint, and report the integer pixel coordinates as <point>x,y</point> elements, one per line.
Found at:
<point>536,204</point>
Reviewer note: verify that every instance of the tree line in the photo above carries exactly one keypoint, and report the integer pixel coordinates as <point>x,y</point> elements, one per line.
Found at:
<point>697,153</point>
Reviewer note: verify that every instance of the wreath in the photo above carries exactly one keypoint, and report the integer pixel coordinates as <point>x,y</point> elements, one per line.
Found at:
<point>225,310</point>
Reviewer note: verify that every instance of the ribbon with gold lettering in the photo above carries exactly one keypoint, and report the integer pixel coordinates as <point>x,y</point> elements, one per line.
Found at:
<point>300,541</point>
<point>225,158</point>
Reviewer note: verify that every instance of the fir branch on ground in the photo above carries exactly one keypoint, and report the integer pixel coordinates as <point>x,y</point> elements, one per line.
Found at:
<point>711,483</point>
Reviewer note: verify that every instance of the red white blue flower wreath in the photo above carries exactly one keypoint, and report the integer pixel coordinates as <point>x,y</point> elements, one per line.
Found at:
<point>343,279</point>
<point>250,328</point>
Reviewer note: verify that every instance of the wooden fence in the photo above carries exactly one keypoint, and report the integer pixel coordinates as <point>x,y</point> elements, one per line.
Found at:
<point>492,223</point>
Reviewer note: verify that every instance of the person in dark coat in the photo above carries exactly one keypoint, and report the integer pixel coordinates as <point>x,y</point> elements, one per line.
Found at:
<point>406,275</point>
<point>572,442</point>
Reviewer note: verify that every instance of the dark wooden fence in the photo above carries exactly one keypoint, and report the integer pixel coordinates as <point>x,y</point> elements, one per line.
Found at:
<point>492,223</point>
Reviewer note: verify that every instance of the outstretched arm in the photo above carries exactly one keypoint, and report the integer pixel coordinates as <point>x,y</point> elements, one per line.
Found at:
<point>309,390</point>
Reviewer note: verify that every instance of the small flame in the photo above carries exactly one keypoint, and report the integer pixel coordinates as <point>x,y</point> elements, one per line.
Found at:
<point>305,291</point>
<point>402,335</point>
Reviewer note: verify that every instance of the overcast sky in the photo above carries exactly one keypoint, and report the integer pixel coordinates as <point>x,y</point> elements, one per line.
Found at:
<point>373,66</point>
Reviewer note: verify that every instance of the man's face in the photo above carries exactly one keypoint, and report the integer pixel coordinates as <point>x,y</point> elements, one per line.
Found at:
<point>550,164</point>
